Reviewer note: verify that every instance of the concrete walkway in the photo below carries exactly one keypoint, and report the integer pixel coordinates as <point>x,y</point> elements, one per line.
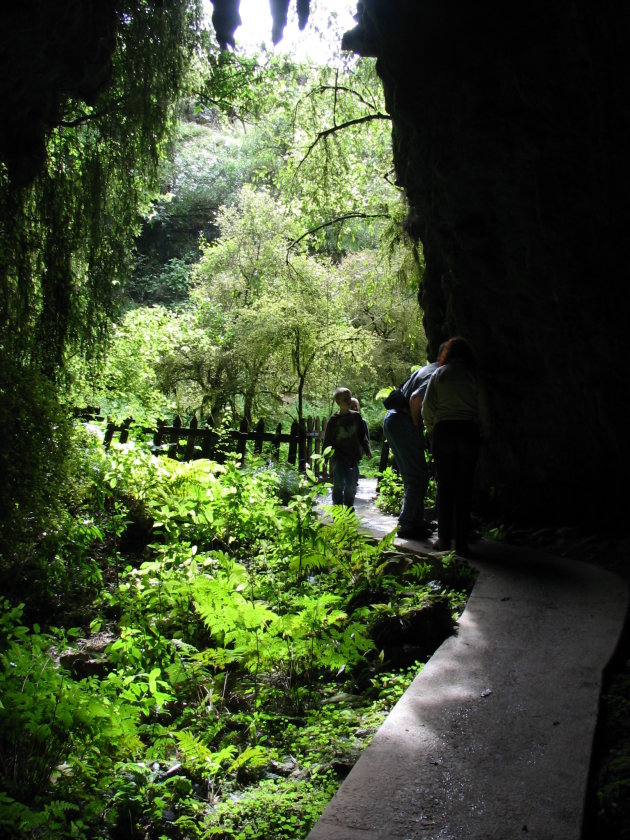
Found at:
<point>492,741</point>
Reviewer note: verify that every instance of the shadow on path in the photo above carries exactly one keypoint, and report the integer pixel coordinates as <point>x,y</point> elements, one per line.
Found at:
<point>493,739</point>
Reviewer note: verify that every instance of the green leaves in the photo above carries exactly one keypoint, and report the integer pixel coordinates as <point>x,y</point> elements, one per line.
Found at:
<point>71,231</point>
<point>196,753</point>
<point>240,667</point>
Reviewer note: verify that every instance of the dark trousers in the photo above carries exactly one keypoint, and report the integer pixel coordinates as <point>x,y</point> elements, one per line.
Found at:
<point>345,480</point>
<point>455,447</point>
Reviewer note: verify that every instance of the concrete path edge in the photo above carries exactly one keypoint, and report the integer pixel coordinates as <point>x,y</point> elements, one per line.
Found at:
<point>493,739</point>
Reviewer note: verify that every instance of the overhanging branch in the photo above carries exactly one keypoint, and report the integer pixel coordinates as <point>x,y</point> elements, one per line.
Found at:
<point>323,135</point>
<point>335,221</point>
<point>343,89</point>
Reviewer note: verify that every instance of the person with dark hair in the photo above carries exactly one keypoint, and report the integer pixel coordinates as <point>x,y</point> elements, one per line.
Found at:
<point>455,414</point>
<point>403,431</point>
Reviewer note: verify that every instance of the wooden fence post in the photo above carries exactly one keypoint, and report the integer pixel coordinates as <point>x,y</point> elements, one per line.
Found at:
<point>208,441</point>
<point>324,462</point>
<point>302,446</point>
<point>317,446</point>
<point>293,443</point>
<point>109,433</point>
<point>276,441</point>
<point>242,439</point>
<point>189,451</point>
<point>174,437</point>
<point>309,440</point>
<point>158,434</point>
<point>124,432</point>
<point>259,431</point>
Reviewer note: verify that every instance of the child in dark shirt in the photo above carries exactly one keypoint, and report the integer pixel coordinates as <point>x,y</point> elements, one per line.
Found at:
<point>346,435</point>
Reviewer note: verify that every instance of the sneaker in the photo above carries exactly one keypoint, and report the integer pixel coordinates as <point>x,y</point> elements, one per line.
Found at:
<point>437,545</point>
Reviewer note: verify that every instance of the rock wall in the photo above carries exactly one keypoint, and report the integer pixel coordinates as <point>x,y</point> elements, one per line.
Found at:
<point>511,129</point>
<point>48,52</point>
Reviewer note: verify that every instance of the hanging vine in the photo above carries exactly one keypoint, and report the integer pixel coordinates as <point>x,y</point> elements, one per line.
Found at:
<point>70,214</point>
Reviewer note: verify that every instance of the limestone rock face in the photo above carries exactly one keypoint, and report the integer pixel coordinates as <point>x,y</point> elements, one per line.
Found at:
<point>48,52</point>
<point>511,130</point>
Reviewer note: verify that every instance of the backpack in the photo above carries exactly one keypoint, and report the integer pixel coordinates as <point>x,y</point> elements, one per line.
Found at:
<point>396,400</point>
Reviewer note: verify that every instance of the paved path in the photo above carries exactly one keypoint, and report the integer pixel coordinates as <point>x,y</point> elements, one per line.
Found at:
<point>492,741</point>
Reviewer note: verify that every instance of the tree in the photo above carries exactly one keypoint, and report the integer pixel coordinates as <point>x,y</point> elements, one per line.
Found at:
<point>275,322</point>
<point>327,127</point>
<point>340,159</point>
<point>381,287</point>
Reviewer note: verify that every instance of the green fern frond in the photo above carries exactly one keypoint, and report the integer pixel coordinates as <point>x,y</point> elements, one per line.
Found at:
<point>202,759</point>
<point>250,757</point>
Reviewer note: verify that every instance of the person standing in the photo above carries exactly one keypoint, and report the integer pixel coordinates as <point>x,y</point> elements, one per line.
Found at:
<point>403,431</point>
<point>355,405</point>
<point>345,434</point>
<point>455,414</point>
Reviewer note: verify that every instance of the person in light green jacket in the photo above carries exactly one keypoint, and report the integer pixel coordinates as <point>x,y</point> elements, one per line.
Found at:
<point>456,418</point>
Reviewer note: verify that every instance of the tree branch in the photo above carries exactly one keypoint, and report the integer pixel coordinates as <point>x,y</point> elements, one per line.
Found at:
<point>322,135</point>
<point>335,221</point>
<point>94,115</point>
<point>343,89</point>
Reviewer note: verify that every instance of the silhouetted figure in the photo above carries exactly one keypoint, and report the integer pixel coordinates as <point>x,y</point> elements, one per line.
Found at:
<point>456,417</point>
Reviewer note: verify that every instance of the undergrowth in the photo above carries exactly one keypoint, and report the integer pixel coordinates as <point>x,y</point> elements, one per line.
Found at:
<point>248,656</point>
<point>391,490</point>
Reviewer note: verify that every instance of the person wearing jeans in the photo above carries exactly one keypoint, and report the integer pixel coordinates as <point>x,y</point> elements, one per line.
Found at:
<point>346,435</point>
<point>404,432</point>
<point>406,440</point>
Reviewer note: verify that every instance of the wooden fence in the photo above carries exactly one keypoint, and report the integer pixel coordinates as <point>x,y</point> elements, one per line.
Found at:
<point>186,443</point>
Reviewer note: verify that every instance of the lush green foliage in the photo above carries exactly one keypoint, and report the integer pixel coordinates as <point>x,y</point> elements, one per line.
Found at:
<point>66,242</point>
<point>207,641</point>
<point>390,492</point>
<point>209,163</point>
<point>257,329</point>
<point>281,327</point>
<point>133,381</point>
<point>268,318</point>
<point>36,479</point>
<point>258,333</point>
<point>339,160</point>
<point>240,655</point>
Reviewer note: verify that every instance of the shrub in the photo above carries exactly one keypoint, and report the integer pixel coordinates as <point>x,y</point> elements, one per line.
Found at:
<point>55,737</point>
<point>390,492</point>
<point>35,438</point>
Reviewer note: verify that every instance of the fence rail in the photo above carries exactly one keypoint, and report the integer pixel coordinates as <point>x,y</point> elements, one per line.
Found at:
<point>185,443</point>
